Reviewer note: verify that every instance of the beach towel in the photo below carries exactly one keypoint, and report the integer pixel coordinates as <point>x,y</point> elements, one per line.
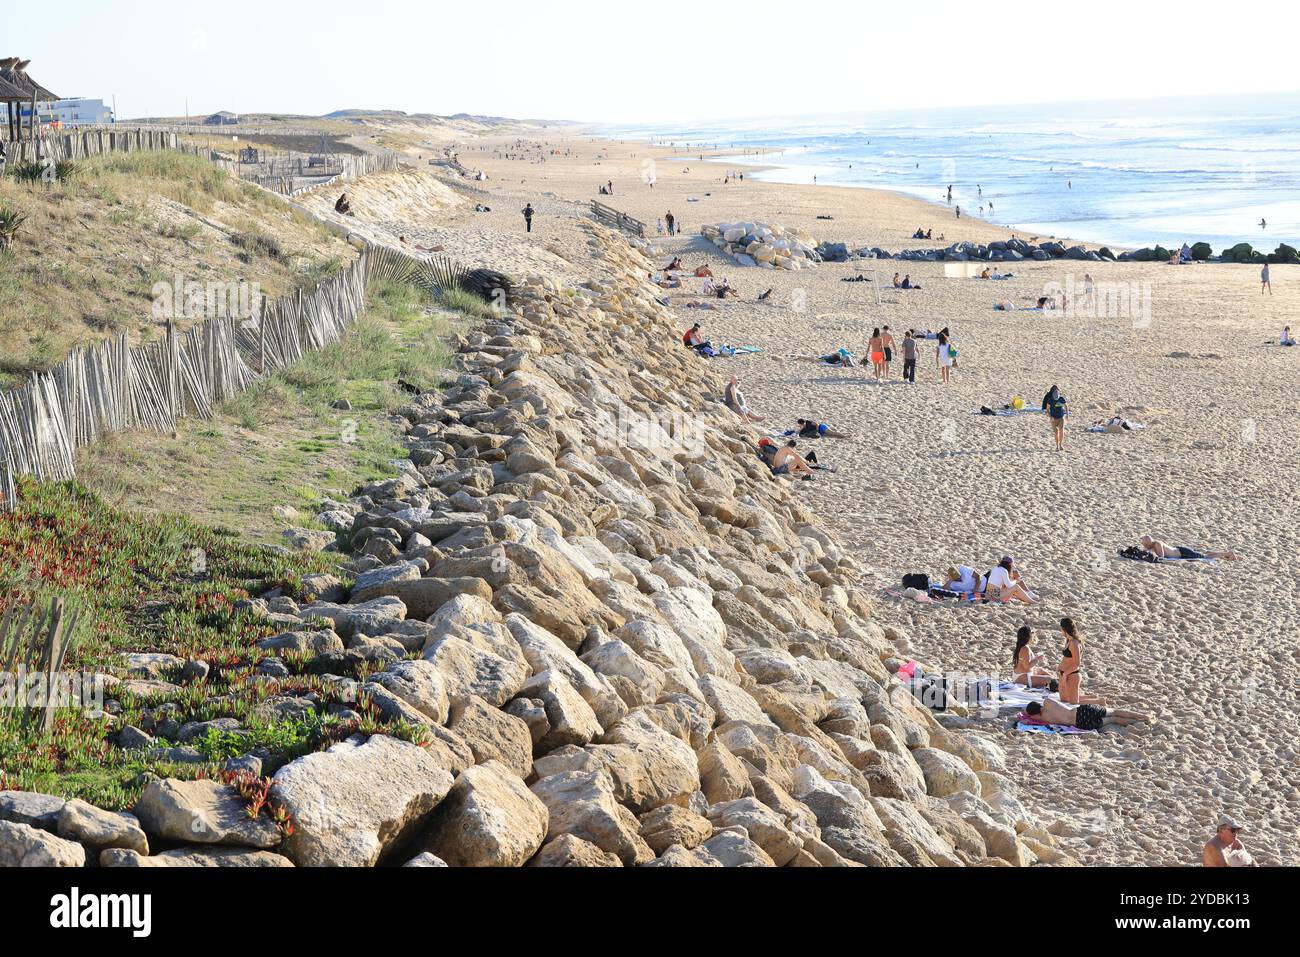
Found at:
<point>1133,553</point>
<point>909,594</point>
<point>1008,413</point>
<point>1031,725</point>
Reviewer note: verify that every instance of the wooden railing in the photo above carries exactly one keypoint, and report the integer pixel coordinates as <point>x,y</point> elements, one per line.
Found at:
<point>619,220</point>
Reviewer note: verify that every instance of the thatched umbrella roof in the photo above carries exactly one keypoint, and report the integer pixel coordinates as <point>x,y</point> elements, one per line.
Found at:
<point>13,72</point>
<point>10,93</point>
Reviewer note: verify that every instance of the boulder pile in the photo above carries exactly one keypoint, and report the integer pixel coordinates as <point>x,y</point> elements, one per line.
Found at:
<point>763,245</point>
<point>1011,250</point>
<point>618,639</point>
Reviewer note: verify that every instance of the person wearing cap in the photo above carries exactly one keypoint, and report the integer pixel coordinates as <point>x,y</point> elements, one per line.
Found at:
<point>1004,584</point>
<point>964,580</point>
<point>1225,848</point>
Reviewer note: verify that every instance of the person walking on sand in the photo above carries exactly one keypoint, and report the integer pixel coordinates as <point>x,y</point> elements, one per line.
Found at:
<point>1225,848</point>
<point>909,358</point>
<point>1266,281</point>
<point>876,349</point>
<point>887,341</point>
<point>943,355</point>
<point>528,217</point>
<point>1057,409</point>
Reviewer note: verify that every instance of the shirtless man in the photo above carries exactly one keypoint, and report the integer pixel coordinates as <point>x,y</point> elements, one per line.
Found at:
<point>1085,717</point>
<point>887,341</point>
<point>789,462</point>
<point>1163,550</point>
<point>735,400</point>
<point>1225,848</point>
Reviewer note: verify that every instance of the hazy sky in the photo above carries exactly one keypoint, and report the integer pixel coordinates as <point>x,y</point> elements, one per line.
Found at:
<point>619,61</point>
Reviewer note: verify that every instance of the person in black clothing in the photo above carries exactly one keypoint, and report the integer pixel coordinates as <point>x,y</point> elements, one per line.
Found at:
<point>528,217</point>
<point>1055,406</point>
<point>671,220</point>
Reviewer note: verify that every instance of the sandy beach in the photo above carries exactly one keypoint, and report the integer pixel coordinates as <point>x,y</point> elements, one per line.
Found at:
<point>922,484</point>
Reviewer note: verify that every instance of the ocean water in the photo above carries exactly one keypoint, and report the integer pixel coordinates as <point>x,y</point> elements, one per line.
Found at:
<point>1129,173</point>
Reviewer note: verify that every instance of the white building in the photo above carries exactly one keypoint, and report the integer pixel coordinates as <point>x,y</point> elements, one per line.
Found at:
<point>73,112</point>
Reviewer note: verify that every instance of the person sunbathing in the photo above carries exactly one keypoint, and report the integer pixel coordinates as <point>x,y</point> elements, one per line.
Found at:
<point>675,265</point>
<point>1183,553</point>
<point>1026,663</point>
<point>765,296</point>
<point>735,400</point>
<point>1114,425</point>
<point>1085,717</point>
<point>1287,339</point>
<point>789,462</point>
<point>812,429</point>
<point>703,272</point>
<point>1004,584</point>
<point>724,290</point>
<point>987,273</point>
<point>343,206</point>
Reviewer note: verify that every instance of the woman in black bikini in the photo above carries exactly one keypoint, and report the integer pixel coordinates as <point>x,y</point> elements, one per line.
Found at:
<point>1071,665</point>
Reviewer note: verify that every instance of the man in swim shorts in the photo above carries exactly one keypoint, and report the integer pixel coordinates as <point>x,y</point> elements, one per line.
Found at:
<point>1183,553</point>
<point>1085,717</point>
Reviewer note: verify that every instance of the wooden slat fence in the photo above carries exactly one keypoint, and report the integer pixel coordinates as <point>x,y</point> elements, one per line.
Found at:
<point>112,387</point>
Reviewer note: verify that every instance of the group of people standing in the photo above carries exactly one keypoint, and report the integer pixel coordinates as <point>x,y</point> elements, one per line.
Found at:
<point>883,347</point>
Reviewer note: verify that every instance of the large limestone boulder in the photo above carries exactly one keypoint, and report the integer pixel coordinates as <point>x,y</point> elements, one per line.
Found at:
<point>493,735</point>
<point>98,829</point>
<point>691,615</point>
<point>912,836</point>
<point>202,812</point>
<point>571,719</point>
<point>358,800</point>
<point>471,671</point>
<point>583,804</point>
<point>546,652</point>
<point>194,857</point>
<point>945,773</point>
<point>722,776</point>
<point>672,825</point>
<point>489,819</point>
<point>420,684</point>
<point>22,845</point>
<point>568,850</point>
<point>763,826</point>
<point>29,807</point>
